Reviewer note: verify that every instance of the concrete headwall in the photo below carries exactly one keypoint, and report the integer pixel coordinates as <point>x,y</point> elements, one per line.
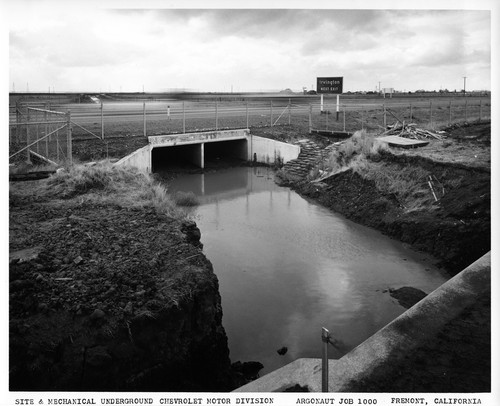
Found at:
<point>390,344</point>
<point>242,145</point>
<point>140,159</point>
<point>270,151</point>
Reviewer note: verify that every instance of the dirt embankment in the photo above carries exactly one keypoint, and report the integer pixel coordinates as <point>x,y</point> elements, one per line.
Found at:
<point>456,229</point>
<point>110,298</point>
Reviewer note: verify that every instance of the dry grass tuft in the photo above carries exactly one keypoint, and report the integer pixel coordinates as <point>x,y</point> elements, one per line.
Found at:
<point>104,183</point>
<point>186,199</point>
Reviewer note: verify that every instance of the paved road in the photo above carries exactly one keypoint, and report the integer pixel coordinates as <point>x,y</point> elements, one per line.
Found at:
<point>157,110</point>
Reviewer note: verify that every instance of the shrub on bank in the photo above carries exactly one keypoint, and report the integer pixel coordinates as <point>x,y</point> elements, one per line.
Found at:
<point>105,183</point>
<point>360,154</point>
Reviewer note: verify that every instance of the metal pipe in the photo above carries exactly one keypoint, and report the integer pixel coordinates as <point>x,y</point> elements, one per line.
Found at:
<point>325,336</point>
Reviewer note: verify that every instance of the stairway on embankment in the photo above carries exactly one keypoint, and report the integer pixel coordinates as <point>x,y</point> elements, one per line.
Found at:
<point>310,155</point>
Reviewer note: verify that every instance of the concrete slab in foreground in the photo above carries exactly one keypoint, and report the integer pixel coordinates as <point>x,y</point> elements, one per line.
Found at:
<point>389,345</point>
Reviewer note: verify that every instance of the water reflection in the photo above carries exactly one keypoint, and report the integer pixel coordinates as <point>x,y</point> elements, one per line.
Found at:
<point>287,267</point>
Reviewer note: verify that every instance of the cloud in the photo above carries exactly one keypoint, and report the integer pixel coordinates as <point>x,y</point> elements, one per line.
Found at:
<point>250,48</point>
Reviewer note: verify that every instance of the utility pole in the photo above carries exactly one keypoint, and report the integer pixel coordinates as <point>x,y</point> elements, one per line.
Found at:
<point>465,78</point>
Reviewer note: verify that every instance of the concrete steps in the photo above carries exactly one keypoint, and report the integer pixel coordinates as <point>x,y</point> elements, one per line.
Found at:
<point>310,154</point>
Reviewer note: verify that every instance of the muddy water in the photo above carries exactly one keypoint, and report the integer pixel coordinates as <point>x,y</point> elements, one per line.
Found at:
<point>288,267</point>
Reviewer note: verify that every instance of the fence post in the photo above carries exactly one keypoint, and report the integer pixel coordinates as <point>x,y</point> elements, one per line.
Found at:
<point>102,121</point>
<point>310,118</point>
<point>37,134</point>
<point>385,118</point>
<point>325,335</point>
<point>480,109</point>
<point>449,109</point>
<point>343,109</point>
<point>28,159</point>
<point>183,118</point>
<point>271,113</point>
<point>68,133</point>
<point>247,112</point>
<point>144,117</point>
<point>216,115</point>
<point>17,121</point>
<point>46,138</point>
<point>289,111</point>
<point>465,110</point>
<point>411,112</point>
<point>362,118</point>
<point>327,112</point>
<point>430,116</point>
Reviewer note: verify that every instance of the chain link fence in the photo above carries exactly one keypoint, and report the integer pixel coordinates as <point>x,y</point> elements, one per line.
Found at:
<point>430,114</point>
<point>40,135</point>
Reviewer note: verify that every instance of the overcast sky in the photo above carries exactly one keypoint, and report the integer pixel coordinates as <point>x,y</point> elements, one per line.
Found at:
<point>88,47</point>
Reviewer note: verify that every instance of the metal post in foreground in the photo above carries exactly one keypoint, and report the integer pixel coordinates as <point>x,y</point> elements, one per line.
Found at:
<point>343,109</point>
<point>385,118</point>
<point>411,112</point>
<point>325,337</point>
<point>465,110</point>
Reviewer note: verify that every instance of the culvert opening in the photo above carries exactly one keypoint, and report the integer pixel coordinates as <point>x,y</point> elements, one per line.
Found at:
<point>224,153</point>
<point>182,158</point>
<point>176,158</point>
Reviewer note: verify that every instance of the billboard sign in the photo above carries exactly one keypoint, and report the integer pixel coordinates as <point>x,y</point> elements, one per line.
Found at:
<point>329,85</point>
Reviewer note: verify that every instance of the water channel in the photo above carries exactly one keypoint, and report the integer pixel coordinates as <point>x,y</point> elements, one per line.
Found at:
<point>287,267</point>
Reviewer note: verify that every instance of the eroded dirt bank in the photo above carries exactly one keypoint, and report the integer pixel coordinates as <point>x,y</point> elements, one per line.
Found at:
<point>110,298</point>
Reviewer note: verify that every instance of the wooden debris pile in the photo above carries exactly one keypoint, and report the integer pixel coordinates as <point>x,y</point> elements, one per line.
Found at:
<point>410,130</point>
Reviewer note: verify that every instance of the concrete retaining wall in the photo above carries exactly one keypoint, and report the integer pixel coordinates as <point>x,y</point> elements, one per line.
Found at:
<point>409,331</point>
<point>140,159</point>
<point>269,151</point>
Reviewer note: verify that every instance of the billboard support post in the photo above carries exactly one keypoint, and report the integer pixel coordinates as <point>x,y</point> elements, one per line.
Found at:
<point>322,102</point>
